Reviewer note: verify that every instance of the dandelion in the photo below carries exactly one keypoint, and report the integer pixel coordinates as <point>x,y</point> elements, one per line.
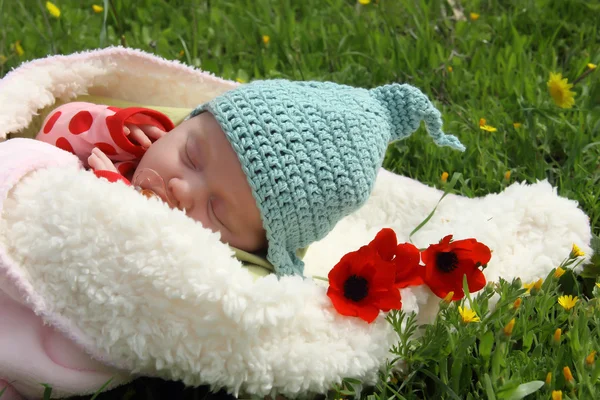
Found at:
<point>556,336</point>
<point>18,48</point>
<point>468,315</point>
<point>559,90</point>
<point>97,9</point>
<point>484,126</point>
<point>549,378</point>
<point>364,2</point>
<point>589,360</point>
<point>474,16</point>
<point>576,251</point>
<point>508,329</point>
<point>517,125</point>
<point>517,303</point>
<point>567,302</point>
<point>53,9</point>
<point>537,285</point>
<point>557,395</point>
<point>598,285</point>
<point>449,68</point>
<point>266,39</point>
<point>507,175</point>
<point>444,177</point>
<point>240,80</point>
<point>559,272</point>
<point>181,54</point>
<point>528,286</point>
<point>448,298</point>
<point>568,375</point>
<point>592,66</point>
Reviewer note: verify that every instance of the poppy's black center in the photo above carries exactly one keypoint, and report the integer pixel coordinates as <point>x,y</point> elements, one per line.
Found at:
<point>356,288</point>
<point>446,261</point>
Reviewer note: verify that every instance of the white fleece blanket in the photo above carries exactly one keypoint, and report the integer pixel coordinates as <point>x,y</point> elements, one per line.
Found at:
<point>142,288</point>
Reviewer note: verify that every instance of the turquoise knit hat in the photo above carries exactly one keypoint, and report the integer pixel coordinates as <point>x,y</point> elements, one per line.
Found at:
<point>311,151</point>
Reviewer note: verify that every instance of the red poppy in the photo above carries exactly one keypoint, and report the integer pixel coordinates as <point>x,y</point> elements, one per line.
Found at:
<point>406,257</point>
<point>447,262</point>
<point>362,284</point>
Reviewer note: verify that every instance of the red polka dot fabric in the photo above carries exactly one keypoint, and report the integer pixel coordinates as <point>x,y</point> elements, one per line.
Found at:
<point>78,127</point>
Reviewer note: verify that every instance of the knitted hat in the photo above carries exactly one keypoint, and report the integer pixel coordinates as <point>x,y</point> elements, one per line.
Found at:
<point>311,151</point>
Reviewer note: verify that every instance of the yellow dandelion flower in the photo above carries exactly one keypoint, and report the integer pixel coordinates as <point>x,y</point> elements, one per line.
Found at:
<point>181,53</point>
<point>53,9</point>
<point>364,2</point>
<point>97,9</point>
<point>468,315</point>
<point>240,80</point>
<point>556,336</point>
<point>568,375</point>
<point>589,360</point>
<point>517,303</point>
<point>444,177</point>
<point>592,66</point>
<point>559,272</point>
<point>576,251</point>
<point>484,126</point>
<point>598,285</point>
<point>517,125</point>
<point>450,69</point>
<point>488,128</point>
<point>508,329</point>
<point>18,48</point>
<point>528,286</point>
<point>474,16</point>
<point>448,298</point>
<point>557,395</point>
<point>507,175</point>
<point>549,378</point>
<point>559,90</point>
<point>537,285</point>
<point>567,302</point>
<point>266,39</point>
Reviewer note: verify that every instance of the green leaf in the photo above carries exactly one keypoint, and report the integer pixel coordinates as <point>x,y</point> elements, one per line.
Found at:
<point>47,391</point>
<point>485,345</point>
<point>449,186</point>
<point>102,388</point>
<point>524,389</point>
<point>458,364</point>
<point>489,389</point>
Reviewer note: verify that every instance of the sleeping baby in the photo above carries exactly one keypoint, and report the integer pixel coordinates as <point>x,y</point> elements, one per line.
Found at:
<point>272,165</point>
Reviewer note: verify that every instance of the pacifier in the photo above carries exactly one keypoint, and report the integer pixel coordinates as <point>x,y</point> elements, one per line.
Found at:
<point>150,184</point>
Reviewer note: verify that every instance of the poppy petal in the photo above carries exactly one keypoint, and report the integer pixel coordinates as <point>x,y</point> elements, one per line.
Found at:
<point>340,273</point>
<point>383,277</point>
<point>368,313</point>
<point>389,300</point>
<point>385,243</point>
<point>342,305</point>
<point>416,280</point>
<point>476,281</point>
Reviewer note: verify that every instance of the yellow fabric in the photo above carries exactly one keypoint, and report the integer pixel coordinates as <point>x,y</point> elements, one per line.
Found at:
<point>257,264</point>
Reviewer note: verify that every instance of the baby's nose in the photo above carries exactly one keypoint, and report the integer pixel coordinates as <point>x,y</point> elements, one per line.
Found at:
<point>182,193</point>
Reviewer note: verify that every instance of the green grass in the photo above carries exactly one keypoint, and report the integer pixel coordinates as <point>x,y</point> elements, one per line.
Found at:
<point>500,65</point>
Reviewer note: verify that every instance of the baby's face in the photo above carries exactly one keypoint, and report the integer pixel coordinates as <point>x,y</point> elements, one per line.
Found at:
<point>203,176</point>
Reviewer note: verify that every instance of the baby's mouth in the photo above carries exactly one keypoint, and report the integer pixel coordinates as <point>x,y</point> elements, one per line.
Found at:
<point>150,184</point>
